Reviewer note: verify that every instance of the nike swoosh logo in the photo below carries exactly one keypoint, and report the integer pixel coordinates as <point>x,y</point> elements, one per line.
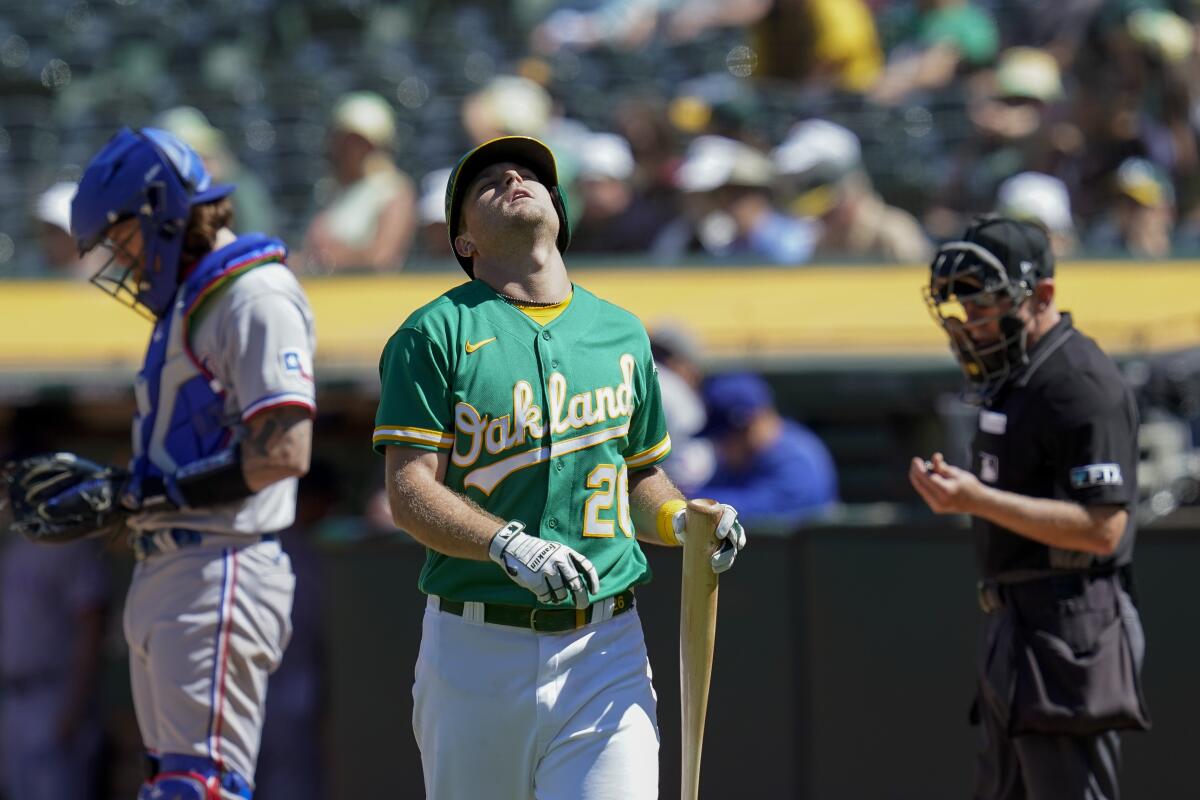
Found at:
<point>471,348</point>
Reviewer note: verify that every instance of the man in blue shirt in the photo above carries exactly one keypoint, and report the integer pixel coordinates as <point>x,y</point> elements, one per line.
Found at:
<point>779,471</point>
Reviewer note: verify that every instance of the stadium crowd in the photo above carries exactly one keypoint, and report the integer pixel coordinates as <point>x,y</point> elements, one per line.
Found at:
<point>764,130</point>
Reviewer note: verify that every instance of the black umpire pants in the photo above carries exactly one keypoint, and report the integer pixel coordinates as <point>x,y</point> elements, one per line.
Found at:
<point>1036,766</point>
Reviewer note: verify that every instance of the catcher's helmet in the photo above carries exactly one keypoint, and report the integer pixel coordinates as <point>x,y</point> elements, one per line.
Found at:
<point>150,175</point>
<point>524,150</point>
<point>996,266</point>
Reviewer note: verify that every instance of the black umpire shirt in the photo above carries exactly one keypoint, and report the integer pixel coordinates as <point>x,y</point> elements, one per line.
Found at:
<point>1065,428</point>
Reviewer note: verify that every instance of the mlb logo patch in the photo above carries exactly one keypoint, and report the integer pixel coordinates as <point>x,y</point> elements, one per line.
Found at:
<point>989,468</point>
<point>1096,475</point>
<point>296,364</point>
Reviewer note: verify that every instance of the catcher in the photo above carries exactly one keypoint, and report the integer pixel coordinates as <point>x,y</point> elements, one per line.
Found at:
<point>222,431</point>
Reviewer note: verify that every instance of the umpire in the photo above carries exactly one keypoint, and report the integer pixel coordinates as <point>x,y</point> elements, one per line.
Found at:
<point>1051,492</point>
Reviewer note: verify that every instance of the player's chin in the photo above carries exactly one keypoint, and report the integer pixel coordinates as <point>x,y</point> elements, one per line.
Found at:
<point>530,208</point>
<point>526,214</point>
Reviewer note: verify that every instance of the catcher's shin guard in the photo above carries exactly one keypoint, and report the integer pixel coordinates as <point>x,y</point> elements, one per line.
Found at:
<point>193,778</point>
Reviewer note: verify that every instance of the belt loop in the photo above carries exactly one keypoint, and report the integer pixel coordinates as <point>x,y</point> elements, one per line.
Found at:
<point>473,612</point>
<point>603,610</point>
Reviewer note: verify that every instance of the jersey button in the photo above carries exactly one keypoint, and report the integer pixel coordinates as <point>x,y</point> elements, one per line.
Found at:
<point>553,523</point>
<point>559,466</point>
<point>553,365</point>
<point>546,335</point>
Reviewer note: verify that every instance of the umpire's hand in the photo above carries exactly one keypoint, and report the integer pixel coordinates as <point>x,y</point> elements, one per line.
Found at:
<point>945,489</point>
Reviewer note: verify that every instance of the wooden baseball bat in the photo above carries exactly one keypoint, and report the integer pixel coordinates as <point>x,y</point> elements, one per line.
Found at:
<point>697,635</point>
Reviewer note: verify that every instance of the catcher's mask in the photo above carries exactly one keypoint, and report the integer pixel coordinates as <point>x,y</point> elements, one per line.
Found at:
<point>969,288</point>
<point>154,177</point>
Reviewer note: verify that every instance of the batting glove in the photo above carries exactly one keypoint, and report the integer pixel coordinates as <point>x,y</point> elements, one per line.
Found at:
<point>550,570</point>
<point>729,533</point>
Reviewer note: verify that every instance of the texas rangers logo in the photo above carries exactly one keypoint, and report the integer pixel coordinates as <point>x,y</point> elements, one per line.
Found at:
<point>989,468</point>
<point>296,364</point>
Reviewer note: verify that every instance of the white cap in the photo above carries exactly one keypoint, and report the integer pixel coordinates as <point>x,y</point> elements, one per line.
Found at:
<point>517,105</point>
<point>1029,72</point>
<point>190,124</point>
<point>368,115</point>
<point>817,151</point>
<point>54,205</point>
<point>715,161</point>
<point>605,155</point>
<point>1038,197</point>
<point>431,208</point>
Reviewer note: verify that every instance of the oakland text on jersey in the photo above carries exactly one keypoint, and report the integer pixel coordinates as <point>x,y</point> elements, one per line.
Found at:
<point>499,434</point>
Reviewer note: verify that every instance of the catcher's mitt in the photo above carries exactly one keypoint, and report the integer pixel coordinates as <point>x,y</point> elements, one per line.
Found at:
<point>60,497</point>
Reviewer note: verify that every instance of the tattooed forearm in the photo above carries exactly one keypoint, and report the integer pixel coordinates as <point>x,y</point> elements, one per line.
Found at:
<point>259,444</point>
<point>277,445</point>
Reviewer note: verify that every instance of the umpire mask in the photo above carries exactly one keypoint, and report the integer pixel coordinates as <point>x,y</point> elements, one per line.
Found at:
<point>981,280</point>
<point>965,275</point>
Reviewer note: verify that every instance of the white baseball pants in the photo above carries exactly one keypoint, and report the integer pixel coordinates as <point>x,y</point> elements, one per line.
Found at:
<point>206,625</point>
<point>505,712</point>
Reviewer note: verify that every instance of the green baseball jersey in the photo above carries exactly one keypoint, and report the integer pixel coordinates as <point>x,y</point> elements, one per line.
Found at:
<point>542,424</point>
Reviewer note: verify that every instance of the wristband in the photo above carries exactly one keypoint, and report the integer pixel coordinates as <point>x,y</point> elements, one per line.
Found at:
<point>665,520</point>
<point>214,480</point>
<point>501,539</point>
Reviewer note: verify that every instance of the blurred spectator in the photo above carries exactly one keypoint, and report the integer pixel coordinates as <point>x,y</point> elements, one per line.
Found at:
<point>291,762</point>
<point>728,209</point>
<point>59,253</point>
<point>371,220</point>
<point>718,104</point>
<point>1012,131</point>
<point>1142,215</point>
<point>1035,197</point>
<point>253,209</point>
<point>676,354</point>
<point>1057,27</point>
<point>610,23</point>
<point>934,41</point>
<point>431,212</point>
<point>821,176</point>
<point>769,468</point>
<point>1166,44</point>
<point>815,43</point>
<point>1134,95</point>
<point>508,105</point>
<point>652,138</point>
<point>614,218</point>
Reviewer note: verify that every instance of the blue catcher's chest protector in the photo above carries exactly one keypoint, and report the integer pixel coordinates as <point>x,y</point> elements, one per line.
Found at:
<point>181,417</point>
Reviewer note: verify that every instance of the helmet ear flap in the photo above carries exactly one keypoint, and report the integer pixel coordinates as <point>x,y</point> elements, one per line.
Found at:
<point>564,230</point>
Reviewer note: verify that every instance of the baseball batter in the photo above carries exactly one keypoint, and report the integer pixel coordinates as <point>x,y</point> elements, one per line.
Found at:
<point>522,425</point>
<point>222,431</point>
